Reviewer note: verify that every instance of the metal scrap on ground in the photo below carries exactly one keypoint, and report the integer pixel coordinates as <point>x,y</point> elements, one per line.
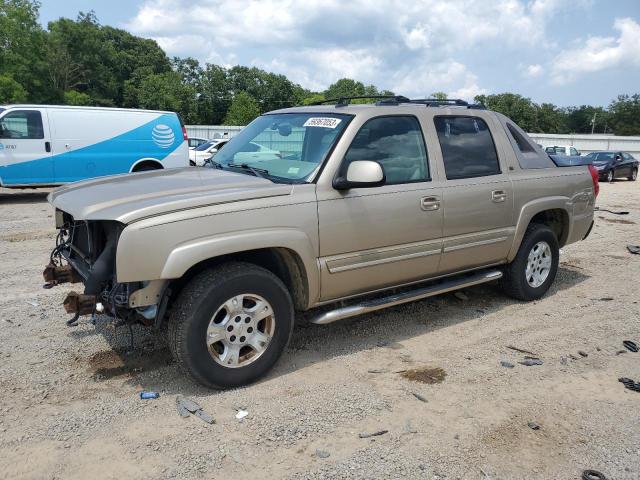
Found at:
<point>186,406</point>
<point>530,361</point>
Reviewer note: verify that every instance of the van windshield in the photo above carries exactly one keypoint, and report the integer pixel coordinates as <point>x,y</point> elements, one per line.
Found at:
<point>286,147</point>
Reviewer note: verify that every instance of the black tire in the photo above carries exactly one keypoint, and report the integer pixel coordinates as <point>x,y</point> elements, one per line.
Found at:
<point>514,283</point>
<point>611,174</point>
<point>201,299</point>
<point>633,176</point>
<point>146,167</point>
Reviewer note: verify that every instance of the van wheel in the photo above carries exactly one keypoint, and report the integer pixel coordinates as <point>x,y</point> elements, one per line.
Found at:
<point>230,325</point>
<point>531,273</point>
<point>146,167</point>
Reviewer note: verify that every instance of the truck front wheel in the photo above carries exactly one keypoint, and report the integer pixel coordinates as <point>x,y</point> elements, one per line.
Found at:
<point>230,325</point>
<point>532,271</point>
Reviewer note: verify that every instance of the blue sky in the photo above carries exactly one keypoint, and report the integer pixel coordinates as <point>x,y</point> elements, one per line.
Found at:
<point>568,52</point>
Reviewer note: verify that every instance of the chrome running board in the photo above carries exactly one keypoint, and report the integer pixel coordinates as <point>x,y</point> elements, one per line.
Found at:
<point>447,285</point>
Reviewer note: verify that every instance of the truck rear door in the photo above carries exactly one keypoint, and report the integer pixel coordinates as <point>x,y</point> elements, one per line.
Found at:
<point>25,147</point>
<point>477,194</point>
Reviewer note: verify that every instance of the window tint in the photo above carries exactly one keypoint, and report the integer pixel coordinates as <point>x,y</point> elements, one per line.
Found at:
<point>25,124</point>
<point>467,147</point>
<point>522,142</point>
<point>396,143</point>
<point>204,146</point>
<point>573,151</point>
<point>627,156</point>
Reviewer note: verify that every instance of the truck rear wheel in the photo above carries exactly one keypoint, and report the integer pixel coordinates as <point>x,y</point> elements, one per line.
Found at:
<point>531,273</point>
<point>230,325</point>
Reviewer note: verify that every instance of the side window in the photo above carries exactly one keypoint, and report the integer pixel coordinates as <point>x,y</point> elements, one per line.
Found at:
<point>522,142</point>
<point>626,156</point>
<point>467,147</point>
<point>24,124</point>
<point>573,151</point>
<point>396,143</point>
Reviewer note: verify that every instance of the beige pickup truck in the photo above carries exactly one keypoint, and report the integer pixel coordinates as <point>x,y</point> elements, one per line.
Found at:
<point>346,209</point>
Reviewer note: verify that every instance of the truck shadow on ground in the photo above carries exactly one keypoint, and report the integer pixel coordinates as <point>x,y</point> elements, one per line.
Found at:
<point>24,197</point>
<point>148,365</point>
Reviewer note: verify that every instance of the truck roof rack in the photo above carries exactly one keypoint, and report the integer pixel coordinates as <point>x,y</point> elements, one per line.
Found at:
<point>398,99</point>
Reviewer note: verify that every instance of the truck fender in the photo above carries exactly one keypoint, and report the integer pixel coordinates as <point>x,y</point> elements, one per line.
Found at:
<point>188,254</point>
<point>530,210</point>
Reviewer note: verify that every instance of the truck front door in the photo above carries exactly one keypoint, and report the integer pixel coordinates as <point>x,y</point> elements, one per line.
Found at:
<point>385,235</point>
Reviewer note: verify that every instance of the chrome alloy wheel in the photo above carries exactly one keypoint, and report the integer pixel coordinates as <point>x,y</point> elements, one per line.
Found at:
<point>538,264</point>
<point>240,331</point>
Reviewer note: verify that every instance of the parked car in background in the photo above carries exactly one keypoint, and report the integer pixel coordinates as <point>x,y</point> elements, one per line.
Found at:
<point>566,150</point>
<point>42,145</point>
<point>206,150</point>
<point>335,202</point>
<point>614,164</point>
<point>196,142</point>
<point>252,152</point>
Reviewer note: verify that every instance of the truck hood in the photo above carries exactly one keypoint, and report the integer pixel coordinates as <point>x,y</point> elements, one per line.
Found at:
<point>130,197</point>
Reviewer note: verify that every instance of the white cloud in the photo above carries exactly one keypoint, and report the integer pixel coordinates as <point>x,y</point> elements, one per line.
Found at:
<point>534,70</point>
<point>600,53</point>
<point>410,47</point>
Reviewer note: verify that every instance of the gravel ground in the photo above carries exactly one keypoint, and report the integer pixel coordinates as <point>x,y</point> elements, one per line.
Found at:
<point>70,408</point>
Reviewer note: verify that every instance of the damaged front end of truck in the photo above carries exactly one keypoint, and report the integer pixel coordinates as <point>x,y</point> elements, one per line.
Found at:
<point>85,253</point>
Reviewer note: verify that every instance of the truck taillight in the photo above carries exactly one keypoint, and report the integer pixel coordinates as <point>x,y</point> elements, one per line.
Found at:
<point>184,133</point>
<point>594,176</point>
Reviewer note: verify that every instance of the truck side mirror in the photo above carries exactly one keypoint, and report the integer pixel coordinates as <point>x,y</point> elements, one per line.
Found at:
<point>361,174</point>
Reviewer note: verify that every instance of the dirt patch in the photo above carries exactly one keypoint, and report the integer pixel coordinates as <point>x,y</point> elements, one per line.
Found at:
<point>617,220</point>
<point>119,363</point>
<point>23,237</point>
<point>428,375</point>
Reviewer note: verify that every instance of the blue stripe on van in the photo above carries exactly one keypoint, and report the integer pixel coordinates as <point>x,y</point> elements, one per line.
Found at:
<point>156,139</point>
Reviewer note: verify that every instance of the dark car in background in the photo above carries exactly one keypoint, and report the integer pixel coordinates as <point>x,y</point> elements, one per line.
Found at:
<point>614,164</point>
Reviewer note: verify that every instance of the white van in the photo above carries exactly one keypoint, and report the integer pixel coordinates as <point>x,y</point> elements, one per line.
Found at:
<point>42,145</point>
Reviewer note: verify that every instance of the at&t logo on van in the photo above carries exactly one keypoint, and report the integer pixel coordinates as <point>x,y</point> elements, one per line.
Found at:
<point>162,135</point>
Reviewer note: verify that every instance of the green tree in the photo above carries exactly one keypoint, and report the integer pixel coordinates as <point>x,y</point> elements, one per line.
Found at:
<point>22,50</point>
<point>625,115</point>
<point>518,108</point>
<point>439,95</point>
<point>345,87</point>
<point>551,119</point>
<point>165,91</point>
<point>11,91</point>
<point>243,110</point>
<point>73,97</point>
<point>580,119</point>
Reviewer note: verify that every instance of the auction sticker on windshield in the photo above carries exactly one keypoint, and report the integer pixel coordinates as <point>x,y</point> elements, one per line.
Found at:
<point>324,122</point>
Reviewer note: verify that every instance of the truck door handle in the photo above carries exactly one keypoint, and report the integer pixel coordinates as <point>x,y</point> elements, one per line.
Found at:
<point>47,146</point>
<point>498,196</point>
<point>429,203</point>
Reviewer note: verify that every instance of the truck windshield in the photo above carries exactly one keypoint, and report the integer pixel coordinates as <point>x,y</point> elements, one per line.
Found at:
<point>287,147</point>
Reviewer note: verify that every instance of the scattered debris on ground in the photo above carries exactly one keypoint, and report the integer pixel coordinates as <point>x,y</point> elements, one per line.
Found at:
<point>419,397</point>
<point>460,295</point>
<point>374,434</point>
<point>425,375</point>
<point>631,346</point>
<point>506,364</point>
<point>630,384</point>
<point>241,414</point>
<point>531,361</point>
<point>635,249</point>
<point>521,350</point>
<point>322,453</point>
<point>149,395</point>
<point>583,353</point>
<point>186,404</point>
<point>593,475</point>
<point>533,426</point>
